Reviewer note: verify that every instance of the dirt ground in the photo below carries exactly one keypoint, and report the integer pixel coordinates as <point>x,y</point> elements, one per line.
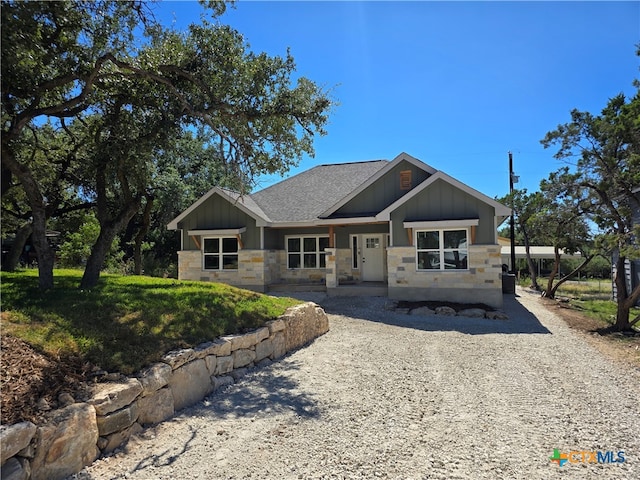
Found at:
<point>624,348</point>
<point>32,384</point>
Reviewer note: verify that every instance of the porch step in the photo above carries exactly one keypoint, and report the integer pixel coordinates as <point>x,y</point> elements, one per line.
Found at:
<point>286,287</point>
<point>359,290</point>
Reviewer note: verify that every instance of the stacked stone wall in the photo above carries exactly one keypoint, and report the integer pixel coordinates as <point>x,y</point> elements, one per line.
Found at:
<point>480,283</point>
<point>78,434</point>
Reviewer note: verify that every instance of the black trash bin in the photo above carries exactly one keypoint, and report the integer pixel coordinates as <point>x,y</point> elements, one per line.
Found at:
<point>508,283</point>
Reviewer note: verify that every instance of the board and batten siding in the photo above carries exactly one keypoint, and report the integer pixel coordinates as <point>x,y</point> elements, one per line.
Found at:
<point>383,192</point>
<point>442,201</point>
<point>217,213</point>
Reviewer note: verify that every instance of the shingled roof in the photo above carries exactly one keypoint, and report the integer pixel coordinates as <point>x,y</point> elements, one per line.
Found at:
<point>303,197</point>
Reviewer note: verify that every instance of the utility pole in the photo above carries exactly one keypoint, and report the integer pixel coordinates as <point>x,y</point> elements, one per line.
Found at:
<point>512,226</point>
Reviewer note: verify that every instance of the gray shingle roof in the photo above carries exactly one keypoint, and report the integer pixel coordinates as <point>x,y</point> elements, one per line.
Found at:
<point>305,196</point>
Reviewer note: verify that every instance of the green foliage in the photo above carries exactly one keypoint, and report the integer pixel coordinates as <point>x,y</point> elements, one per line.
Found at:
<point>120,90</point>
<point>76,246</point>
<point>606,152</point>
<point>125,323</point>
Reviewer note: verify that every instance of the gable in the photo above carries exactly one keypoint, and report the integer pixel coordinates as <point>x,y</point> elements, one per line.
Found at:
<point>444,201</point>
<point>396,182</point>
<point>216,212</point>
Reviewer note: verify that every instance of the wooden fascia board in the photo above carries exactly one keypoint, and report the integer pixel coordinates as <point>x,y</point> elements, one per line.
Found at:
<point>500,210</point>
<point>260,221</point>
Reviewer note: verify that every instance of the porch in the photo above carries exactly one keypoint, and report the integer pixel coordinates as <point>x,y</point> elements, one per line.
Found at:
<point>361,289</point>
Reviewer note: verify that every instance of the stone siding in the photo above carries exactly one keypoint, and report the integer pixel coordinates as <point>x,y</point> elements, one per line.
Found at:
<point>253,273</point>
<point>481,283</point>
<point>76,435</point>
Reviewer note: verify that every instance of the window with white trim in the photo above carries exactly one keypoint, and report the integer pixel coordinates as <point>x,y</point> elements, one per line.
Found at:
<point>220,253</point>
<point>442,249</point>
<point>306,251</point>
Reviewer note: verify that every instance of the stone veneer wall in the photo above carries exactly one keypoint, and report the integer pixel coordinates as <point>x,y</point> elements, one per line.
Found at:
<point>251,273</point>
<point>76,435</point>
<point>296,275</point>
<point>481,283</point>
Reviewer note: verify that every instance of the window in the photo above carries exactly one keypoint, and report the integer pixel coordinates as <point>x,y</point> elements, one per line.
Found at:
<point>220,253</point>
<point>354,252</point>
<point>441,249</point>
<point>306,252</point>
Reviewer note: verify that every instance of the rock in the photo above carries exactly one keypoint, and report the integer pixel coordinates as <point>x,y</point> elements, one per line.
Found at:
<point>177,358</point>
<point>118,439</point>
<point>118,420</point>
<point>65,399</point>
<point>238,373</point>
<point>444,310</point>
<point>67,443</point>
<point>16,469</point>
<point>239,342</point>
<point>211,361</point>
<point>422,311</point>
<point>243,357</point>
<point>262,334</point>
<point>190,383</point>
<point>390,305</point>
<point>264,349</point>
<point>43,405</point>
<point>14,438</point>
<point>265,362</point>
<point>27,452</point>
<point>153,378</point>
<point>156,408</point>
<point>472,312</point>
<point>497,316</point>
<point>224,365</point>
<point>304,323</point>
<point>277,325</point>
<point>110,397</point>
<point>279,345</point>
<point>219,347</point>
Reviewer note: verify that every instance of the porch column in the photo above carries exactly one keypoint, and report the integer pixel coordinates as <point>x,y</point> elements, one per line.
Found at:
<point>331,269</point>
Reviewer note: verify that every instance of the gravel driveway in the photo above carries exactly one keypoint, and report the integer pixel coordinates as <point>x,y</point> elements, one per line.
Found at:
<point>387,395</point>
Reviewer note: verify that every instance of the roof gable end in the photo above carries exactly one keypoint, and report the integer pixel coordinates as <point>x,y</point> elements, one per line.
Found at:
<point>243,202</point>
<point>500,209</point>
<point>378,175</point>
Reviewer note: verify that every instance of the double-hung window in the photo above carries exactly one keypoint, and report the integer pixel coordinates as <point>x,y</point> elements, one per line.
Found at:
<point>442,249</point>
<point>306,252</point>
<point>220,253</point>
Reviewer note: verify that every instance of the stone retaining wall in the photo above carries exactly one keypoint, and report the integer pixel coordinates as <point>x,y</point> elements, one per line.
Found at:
<point>78,434</point>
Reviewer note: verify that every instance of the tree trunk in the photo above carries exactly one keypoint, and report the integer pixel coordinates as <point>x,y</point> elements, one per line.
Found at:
<point>570,275</point>
<point>139,238</point>
<point>45,254</point>
<point>532,268</point>
<point>108,231</point>
<point>550,292</point>
<point>13,257</point>
<point>96,258</point>
<point>624,300</point>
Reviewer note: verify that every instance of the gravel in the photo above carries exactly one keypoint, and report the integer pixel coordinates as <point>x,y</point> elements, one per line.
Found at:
<point>390,395</point>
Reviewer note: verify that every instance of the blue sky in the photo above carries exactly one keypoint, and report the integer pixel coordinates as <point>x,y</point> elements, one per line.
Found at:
<point>456,84</point>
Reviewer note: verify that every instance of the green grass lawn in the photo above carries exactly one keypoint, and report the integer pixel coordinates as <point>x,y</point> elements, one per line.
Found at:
<point>127,322</point>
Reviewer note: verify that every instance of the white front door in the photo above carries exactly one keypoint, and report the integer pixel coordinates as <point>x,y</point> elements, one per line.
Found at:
<point>372,258</point>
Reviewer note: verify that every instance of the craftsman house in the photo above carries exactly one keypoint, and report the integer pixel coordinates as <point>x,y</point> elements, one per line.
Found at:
<point>401,227</point>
